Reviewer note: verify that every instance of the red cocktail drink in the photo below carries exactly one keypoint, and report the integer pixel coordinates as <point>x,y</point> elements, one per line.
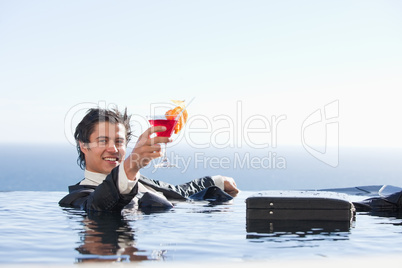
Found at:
<point>168,123</point>
<point>174,120</point>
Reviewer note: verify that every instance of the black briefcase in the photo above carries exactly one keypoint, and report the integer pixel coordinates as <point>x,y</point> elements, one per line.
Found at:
<point>295,210</point>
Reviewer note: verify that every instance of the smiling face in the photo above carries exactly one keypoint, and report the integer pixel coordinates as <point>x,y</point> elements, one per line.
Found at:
<point>106,148</point>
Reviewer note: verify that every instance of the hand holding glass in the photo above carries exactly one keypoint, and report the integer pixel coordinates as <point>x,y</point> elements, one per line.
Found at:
<point>161,120</point>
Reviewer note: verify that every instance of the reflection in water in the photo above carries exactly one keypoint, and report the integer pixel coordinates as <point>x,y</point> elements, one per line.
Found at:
<point>107,237</point>
<point>392,214</point>
<point>278,228</point>
<point>200,231</point>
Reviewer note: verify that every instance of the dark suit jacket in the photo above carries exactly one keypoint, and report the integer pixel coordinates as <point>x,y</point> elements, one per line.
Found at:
<point>106,196</point>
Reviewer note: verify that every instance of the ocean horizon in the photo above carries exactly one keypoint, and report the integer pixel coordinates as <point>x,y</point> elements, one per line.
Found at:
<point>36,230</point>
<point>53,167</point>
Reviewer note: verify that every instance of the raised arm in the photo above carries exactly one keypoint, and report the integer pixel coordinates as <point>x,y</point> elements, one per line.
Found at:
<point>145,150</point>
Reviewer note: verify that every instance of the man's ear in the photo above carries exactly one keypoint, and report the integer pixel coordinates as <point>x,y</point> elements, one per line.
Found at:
<point>83,147</point>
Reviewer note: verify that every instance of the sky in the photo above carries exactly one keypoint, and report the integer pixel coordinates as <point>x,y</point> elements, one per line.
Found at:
<point>257,72</point>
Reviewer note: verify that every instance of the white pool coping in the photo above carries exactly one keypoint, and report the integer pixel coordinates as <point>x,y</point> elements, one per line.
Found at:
<point>320,262</point>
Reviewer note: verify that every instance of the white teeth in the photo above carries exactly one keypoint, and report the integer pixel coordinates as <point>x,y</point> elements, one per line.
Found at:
<point>110,159</point>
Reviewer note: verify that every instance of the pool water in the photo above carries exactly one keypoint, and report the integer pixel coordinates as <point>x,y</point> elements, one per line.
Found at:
<point>35,230</point>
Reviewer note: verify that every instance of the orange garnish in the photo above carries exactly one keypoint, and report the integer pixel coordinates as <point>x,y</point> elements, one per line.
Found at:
<point>173,113</point>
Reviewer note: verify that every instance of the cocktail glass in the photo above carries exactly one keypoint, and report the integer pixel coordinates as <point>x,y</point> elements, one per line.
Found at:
<point>169,123</point>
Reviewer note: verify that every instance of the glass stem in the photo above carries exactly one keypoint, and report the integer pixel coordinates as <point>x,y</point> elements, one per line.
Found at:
<point>164,152</point>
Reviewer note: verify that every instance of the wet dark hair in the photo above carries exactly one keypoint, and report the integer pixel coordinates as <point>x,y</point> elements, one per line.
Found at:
<point>87,125</point>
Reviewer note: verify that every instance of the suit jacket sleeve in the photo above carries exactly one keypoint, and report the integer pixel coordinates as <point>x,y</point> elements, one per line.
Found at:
<point>181,191</point>
<point>104,197</point>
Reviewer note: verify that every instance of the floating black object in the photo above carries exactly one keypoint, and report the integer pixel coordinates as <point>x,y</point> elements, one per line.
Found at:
<point>298,210</point>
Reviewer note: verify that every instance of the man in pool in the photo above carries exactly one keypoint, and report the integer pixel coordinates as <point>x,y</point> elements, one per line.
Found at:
<point>113,181</point>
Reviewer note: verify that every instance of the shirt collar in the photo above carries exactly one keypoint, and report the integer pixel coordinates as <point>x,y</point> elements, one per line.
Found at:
<point>96,178</point>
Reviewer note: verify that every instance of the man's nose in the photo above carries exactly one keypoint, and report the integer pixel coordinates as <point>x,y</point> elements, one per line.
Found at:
<point>111,147</point>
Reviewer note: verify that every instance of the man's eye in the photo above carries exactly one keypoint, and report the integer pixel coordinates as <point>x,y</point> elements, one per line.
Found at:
<point>102,141</point>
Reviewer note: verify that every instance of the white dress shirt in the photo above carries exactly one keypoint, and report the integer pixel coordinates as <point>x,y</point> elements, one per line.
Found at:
<point>126,185</point>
